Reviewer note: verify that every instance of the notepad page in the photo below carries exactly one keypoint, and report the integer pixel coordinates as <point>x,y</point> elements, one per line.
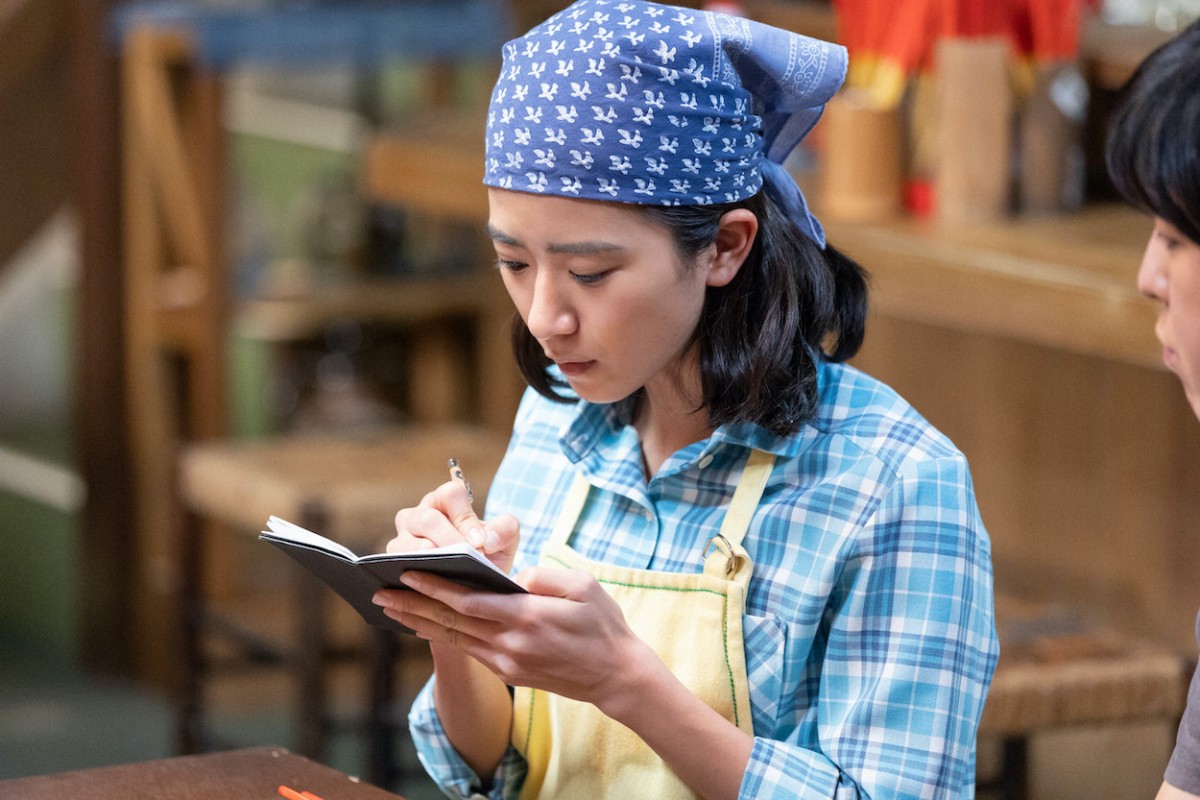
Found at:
<point>293,532</point>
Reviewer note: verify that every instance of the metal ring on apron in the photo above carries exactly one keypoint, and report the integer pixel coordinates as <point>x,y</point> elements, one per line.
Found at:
<point>733,561</point>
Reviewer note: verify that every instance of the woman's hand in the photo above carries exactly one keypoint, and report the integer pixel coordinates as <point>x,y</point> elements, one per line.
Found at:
<point>566,636</point>
<point>445,516</point>
<point>473,704</point>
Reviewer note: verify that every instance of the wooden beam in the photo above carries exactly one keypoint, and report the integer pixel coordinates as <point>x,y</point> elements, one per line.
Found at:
<point>33,103</point>
<point>34,152</point>
<point>106,535</point>
<point>30,33</point>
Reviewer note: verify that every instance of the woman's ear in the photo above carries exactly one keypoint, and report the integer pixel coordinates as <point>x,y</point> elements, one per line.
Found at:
<point>735,237</point>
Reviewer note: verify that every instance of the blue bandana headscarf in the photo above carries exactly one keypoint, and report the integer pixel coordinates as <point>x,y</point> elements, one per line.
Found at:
<point>638,102</point>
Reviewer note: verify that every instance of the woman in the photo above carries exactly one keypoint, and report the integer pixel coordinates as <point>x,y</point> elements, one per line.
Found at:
<point>1154,160</point>
<point>752,570</point>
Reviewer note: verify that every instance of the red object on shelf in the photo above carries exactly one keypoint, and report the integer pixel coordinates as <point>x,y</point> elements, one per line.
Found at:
<point>919,197</point>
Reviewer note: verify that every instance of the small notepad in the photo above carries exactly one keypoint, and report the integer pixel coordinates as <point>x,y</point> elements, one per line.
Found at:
<point>356,578</point>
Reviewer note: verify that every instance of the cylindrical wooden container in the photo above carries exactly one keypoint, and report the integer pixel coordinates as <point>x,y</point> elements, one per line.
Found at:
<point>974,120</point>
<point>862,161</point>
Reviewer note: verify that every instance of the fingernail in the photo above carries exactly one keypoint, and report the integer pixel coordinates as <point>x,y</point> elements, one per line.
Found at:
<point>381,599</point>
<point>475,536</point>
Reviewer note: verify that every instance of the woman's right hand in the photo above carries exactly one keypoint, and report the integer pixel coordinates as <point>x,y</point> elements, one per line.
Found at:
<point>445,516</point>
<point>473,703</point>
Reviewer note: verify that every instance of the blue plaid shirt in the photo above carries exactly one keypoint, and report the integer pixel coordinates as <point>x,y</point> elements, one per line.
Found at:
<point>869,633</point>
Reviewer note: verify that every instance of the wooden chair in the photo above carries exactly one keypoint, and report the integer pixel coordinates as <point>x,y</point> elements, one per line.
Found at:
<point>346,487</point>
<point>179,309</point>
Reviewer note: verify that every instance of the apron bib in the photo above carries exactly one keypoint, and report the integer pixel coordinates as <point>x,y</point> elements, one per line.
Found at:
<point>693,622</point>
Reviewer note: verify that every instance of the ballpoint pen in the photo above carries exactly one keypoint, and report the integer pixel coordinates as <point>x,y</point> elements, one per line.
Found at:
<point>474,533</point>
<point>456,474</point>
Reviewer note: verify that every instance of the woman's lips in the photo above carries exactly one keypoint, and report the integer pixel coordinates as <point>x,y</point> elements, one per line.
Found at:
<point>574,368</point>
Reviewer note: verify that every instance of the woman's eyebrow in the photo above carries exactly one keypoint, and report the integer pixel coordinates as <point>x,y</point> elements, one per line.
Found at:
<point>501,237</point>
<point>586,248</point>
<point>583,248</point>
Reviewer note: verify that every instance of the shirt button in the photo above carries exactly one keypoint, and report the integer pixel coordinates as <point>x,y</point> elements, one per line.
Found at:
<point>704,462</point>
<point>648,514</point>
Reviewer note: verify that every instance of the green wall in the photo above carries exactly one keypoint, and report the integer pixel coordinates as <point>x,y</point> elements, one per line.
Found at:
<point>39,597</point>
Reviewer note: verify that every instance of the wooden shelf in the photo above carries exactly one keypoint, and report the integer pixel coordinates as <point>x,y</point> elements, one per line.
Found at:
<point>411,301</point>
<point>1067,282</point>
<point>434,164</point>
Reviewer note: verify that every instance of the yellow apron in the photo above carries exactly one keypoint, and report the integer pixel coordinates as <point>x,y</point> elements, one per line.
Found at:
<point>694,623</point>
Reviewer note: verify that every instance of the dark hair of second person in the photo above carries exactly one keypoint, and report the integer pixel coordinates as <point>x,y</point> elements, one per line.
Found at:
<point>1153,148</point>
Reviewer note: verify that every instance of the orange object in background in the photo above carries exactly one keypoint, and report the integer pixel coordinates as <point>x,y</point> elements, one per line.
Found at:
<point>891,40</point>
<point>893,47</point>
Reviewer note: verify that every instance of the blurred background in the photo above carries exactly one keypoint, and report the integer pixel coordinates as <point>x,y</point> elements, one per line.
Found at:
<point>243,271</point>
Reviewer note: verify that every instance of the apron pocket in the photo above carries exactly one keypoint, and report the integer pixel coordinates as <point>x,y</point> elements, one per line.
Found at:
<point>766,657</point>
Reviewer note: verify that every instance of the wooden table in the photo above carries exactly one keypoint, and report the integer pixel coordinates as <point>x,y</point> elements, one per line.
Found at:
<point>251,774</point>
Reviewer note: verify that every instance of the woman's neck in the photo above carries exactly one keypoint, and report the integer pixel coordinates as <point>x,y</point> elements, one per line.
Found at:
<point>668,417</point>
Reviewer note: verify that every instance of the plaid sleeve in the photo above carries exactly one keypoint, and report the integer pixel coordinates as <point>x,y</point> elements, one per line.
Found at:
<point>446,767</point>
<point>911,649</point>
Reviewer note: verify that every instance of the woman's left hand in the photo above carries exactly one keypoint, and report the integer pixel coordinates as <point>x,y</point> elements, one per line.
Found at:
<point>566,636</point>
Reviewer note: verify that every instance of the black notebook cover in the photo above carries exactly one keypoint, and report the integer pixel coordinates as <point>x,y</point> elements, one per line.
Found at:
<point>357,578</point>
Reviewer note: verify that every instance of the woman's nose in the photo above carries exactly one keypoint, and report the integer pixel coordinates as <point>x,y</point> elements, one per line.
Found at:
<point>1152,278</point>
<point>549,313</point>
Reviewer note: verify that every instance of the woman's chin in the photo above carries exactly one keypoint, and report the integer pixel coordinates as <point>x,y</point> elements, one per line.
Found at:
<point>596,391</point>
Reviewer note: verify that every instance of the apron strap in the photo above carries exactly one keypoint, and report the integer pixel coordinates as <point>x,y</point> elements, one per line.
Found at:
<point>724,555</point>
<point>571,509</point>
<point>745,498</point>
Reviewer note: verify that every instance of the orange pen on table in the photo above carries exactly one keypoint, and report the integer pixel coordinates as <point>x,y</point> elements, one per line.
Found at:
<point>292,794</point>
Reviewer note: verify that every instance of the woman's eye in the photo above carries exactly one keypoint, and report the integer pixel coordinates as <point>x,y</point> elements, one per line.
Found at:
<point>1169,241</point>
<point>588,279</point>
<point>512,266</point>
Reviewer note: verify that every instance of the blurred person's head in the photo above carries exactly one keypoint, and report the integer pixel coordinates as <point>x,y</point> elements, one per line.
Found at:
<point>1154,161</point>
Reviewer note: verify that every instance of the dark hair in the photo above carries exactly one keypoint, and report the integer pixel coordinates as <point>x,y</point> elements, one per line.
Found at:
<point>1154,134</point>
<point>761,335</point>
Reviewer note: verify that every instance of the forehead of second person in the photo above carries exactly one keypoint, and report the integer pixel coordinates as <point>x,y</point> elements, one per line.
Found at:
<point>547,226</point>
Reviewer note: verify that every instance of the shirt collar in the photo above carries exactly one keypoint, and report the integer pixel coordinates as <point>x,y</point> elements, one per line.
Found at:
<point>605,430</point>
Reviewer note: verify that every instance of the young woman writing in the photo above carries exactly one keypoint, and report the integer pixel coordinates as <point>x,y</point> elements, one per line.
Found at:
<point>752,570</point>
